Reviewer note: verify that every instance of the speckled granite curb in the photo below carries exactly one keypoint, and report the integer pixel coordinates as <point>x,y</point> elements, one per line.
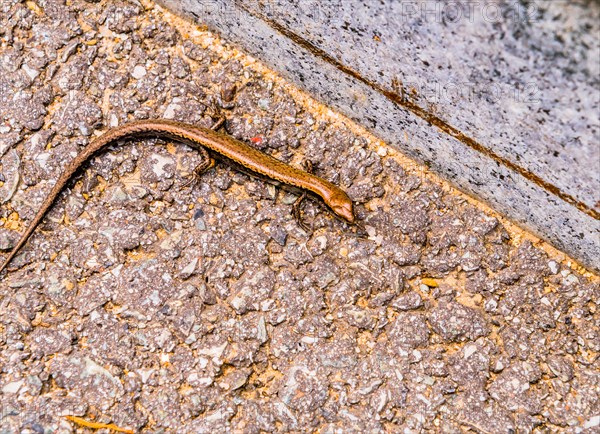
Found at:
<point>500,98</point>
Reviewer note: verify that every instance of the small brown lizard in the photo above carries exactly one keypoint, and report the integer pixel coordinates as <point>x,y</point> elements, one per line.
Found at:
<point>204,140</point>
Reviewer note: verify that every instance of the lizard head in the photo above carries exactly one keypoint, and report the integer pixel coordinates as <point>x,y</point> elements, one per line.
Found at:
<point>341,205</point>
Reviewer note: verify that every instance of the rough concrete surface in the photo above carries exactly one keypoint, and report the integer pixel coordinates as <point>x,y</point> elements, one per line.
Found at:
<point>499,96</point>
<point>162,308</point>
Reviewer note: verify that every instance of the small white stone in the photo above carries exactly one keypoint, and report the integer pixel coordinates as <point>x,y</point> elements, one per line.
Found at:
<point>322,241</point>
<point>189,269</point>
<point>171,110</point>
<point>430,381</point>
<point>420,418</point>
<point>12,387</point>
<point>382,152</point>
<point>159,163</point>
<point>32,73</point>
<point>145,374</point>
<point>571,279</point>
<point>42,159</point>
<point>205,381</point>
<point>470,350</point>
<point>114,120</point>
<point>592,422</point>
<point>138,72</point>
<point>309,339</point>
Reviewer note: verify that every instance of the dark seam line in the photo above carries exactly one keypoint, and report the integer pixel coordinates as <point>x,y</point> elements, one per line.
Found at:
<point>425,115</point>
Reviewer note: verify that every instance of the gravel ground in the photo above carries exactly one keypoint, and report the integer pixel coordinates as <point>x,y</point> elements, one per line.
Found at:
<point>164,308</point>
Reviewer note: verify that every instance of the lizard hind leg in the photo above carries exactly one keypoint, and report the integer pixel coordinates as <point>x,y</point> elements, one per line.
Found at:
<point>296,211</point>
<point>207,163</point>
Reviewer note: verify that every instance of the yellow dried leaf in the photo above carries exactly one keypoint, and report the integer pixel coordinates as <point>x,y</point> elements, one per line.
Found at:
<point>432,283</point>
<point>97,425</point>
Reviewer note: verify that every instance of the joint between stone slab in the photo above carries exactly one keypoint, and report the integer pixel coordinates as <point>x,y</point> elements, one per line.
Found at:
<point>425,115</point>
